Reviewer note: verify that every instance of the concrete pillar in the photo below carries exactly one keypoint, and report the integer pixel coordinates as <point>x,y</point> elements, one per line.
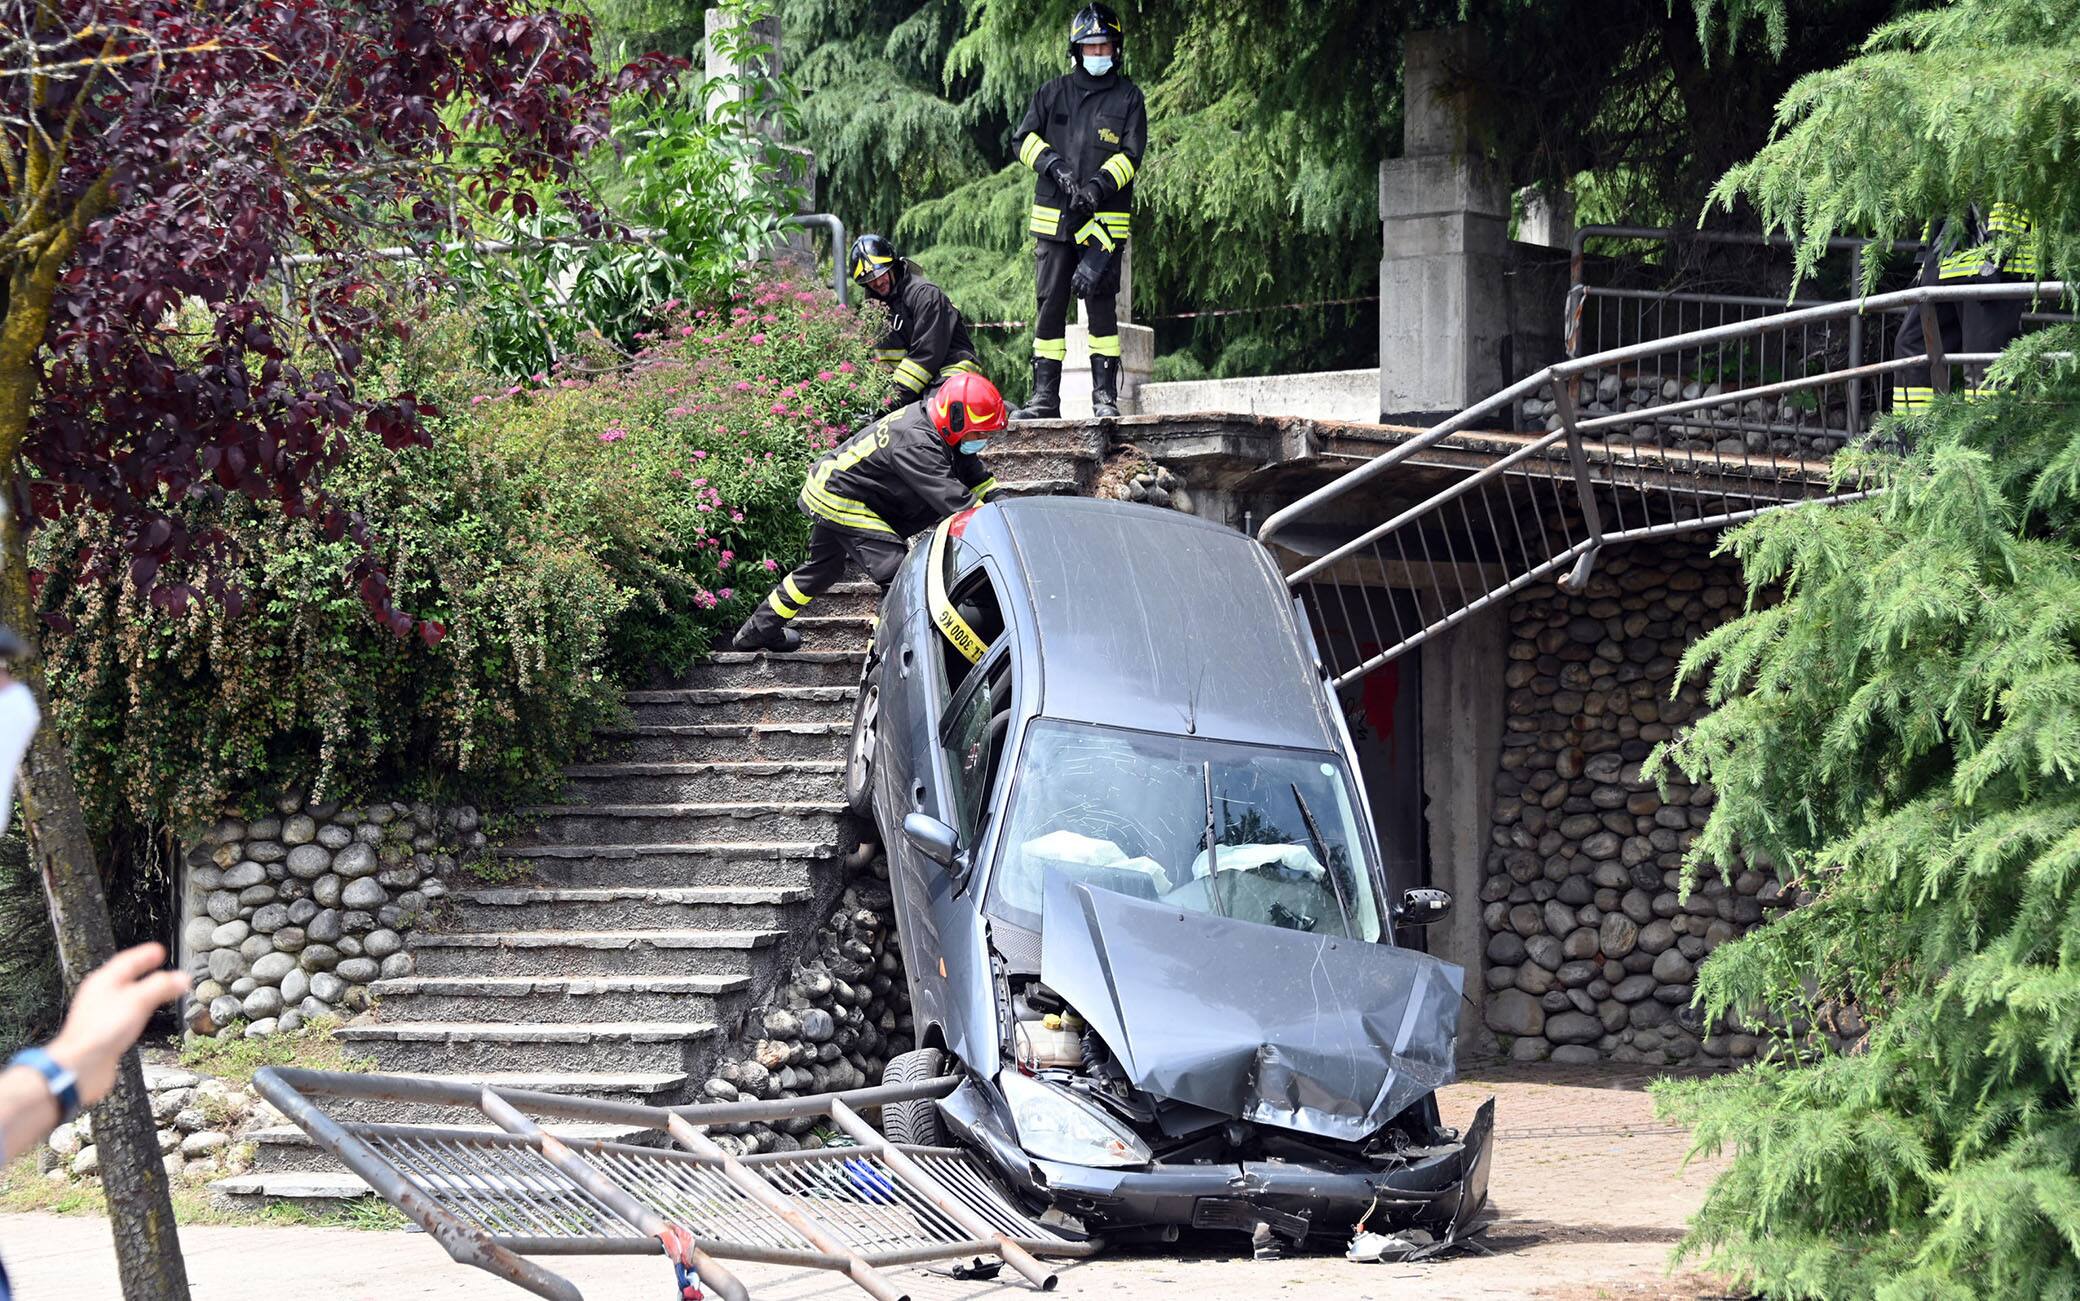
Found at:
<point>1444,227</point>
<point>1463,699</point>
<point>720,64</point>
<point>1137,352</point>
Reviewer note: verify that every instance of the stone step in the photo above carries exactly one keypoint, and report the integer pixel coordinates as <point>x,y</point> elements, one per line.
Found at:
<point>728,742</point>
<point>1044,487</point>
<point>1022,464</point>
<point>589,953</point>
<point>644,824</point>
<point>756,705</point>
<point>650,1088</point>
<point>285,1149</point>
<point>802,668</point>
<point>317,1191</point>
<point>560,1000</point>
<point>703,782</point>
<point>570,1046</point>
<point>790,863</point>
<point>626,907</point>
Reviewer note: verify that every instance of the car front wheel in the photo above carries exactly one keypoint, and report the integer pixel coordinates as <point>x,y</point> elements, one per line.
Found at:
<point>916,1123</point>
<point>866,734</point>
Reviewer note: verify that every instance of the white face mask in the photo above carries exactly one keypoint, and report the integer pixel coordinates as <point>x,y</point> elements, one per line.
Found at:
<point>973,446</point>
<point>18,719</point>
<point>1097,65</point>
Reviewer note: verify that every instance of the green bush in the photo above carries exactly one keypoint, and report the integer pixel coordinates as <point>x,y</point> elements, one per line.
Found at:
<point>572,534</point>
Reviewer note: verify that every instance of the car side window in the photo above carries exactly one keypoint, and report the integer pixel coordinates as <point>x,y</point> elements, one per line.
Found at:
<point>973,602</point>
<point>977,728</point>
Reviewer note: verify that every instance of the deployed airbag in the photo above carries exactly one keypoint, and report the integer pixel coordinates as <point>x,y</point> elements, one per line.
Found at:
<point>1317,1033</point>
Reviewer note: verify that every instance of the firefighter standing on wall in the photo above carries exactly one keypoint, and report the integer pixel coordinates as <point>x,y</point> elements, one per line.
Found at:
<point>927,341</point>
<point>1993,248</point>
<point>1083,136</point>
<point>897,476</point>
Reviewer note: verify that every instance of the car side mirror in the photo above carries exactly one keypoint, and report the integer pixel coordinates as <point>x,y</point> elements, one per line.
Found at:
<point>1421,907</point>
<point>934,839</point>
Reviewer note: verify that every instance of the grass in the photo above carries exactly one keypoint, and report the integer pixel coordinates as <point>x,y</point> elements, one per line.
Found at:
<point>312,1047</point>
<point>24,1191</point>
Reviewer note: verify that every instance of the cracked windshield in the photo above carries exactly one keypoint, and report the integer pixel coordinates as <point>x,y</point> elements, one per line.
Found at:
<point>1237,831</point>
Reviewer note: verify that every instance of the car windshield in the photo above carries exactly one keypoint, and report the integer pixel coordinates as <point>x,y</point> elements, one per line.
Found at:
<point>1127,811</point>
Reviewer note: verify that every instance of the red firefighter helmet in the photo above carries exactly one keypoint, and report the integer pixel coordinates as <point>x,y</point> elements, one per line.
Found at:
<point>966,404</point>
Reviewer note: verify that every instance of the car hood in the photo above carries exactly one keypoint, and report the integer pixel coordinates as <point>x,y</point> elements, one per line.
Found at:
<point>1325,1035</point>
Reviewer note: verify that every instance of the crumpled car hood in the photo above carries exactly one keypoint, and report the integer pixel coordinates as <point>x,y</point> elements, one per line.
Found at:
<point>1321,1034</point>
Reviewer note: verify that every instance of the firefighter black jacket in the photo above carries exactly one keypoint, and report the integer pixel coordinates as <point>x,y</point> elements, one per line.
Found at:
<point>926,338</point>
<point>1099,127</point>
<point>894,478</point>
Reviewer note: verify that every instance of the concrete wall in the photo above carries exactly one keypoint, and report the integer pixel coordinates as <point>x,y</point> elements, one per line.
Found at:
<point>1320,395</point>
<point>1463,698</point>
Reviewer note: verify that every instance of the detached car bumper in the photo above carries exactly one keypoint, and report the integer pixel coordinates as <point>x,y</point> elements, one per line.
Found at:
<point>1442,1193</point>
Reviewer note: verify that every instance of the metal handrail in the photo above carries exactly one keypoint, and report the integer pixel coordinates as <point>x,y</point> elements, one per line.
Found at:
<point>1698,480</point>
<point>1574,366</point>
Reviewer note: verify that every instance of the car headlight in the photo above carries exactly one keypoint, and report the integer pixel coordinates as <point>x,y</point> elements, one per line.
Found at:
<point>1055,1124</point>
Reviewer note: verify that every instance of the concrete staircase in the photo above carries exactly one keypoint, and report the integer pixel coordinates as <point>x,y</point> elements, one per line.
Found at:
<point>658,899</point>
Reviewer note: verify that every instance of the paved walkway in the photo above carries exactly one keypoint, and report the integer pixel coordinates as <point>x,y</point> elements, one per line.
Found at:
<point>1587,1192</point>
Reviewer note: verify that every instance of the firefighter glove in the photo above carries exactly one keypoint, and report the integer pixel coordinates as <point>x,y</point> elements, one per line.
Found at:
<point>1090,270</point>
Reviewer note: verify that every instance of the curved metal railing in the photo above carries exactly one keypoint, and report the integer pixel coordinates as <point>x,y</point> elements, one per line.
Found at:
<point>1694,431</point>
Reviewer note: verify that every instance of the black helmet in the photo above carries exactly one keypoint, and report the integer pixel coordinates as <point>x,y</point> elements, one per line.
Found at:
<point>871,255</point>
<point>1096,22</point>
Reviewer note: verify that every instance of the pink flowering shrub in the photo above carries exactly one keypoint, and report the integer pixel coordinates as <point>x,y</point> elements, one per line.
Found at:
<point>686,461</point>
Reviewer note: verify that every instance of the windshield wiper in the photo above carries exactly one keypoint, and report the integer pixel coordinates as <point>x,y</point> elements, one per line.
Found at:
<point>1213,862</point>
<point>1321,853</point>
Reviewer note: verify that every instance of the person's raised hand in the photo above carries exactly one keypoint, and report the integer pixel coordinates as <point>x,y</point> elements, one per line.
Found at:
<point>109,1011</point>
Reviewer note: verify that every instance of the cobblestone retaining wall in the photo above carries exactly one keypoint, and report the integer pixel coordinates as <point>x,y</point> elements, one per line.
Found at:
<point>1591,954</point>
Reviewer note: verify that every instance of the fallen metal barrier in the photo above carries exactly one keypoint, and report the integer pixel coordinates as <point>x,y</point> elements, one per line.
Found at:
<point>491,1197</point>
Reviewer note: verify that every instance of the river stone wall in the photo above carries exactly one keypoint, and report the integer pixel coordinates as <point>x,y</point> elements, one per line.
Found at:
<point>291,915</point>
<point>832,1025</point>
<point>1591,954</point>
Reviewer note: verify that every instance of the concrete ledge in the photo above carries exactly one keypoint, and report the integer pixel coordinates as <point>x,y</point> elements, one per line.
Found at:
<point>1345,395</point>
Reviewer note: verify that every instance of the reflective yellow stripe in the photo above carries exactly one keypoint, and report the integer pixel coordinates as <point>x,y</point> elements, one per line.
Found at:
<point>794,591</point>
<point>2008,219</point>
<point>1030,149</point>
<point>1093,233</point>
<point>781,607</point>
<point>1051,349</point>
<point>1120,168</point>
<point>890,355</point>
<point>1118,224</point>
<point>842,510</point>
<point>981,491</point>
<point>944,616</point>
<point>1104,345</point>
<point>960,368</point>
<point>1046,220</point>
<point>1965,265</point>
<point>1913,397</point>
<point>912,376</point>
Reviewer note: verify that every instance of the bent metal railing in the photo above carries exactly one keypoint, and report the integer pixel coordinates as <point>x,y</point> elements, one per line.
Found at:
<point>1644,440</point>
<point>493,1196</point>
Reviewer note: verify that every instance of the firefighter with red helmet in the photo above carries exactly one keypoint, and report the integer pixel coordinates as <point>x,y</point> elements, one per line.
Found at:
<point>926,342</point>
<point>896,477</point>
<point>1083,136</point>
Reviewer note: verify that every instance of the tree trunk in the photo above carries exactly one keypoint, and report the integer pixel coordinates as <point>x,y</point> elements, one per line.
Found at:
<point>140,1202</point>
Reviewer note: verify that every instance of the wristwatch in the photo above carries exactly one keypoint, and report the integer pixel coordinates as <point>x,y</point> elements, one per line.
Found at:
<point>63,1084</point>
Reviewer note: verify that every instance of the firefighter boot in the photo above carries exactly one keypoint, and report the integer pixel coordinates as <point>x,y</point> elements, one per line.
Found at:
<point>1104,387</point>
<point>1046,402</point>
<point>764,631</point>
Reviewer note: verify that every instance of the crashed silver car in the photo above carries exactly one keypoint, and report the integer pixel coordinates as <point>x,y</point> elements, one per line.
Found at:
<point>1139,892</point>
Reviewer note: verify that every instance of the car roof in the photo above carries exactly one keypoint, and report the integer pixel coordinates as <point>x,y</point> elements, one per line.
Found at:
<point>1157,620</point>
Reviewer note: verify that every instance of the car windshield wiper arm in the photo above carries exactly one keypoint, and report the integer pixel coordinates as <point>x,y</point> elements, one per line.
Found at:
<point>1213,862</point>
<point>1321,852</point>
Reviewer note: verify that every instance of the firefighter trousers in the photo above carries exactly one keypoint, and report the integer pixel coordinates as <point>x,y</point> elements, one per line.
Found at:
<point>1970,325</point>
<point>1054,264</point>
<point>829,549</point>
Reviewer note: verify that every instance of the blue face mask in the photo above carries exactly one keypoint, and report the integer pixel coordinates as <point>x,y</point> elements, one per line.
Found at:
<point>1097,65</point>
<point>973,446</point>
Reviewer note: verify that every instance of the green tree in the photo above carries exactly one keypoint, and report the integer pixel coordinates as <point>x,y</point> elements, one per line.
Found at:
<point>1900,735</point>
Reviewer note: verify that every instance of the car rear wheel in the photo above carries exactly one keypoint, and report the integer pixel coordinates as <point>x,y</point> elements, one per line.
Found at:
<point>866,734</point>
<point>914,1122</point>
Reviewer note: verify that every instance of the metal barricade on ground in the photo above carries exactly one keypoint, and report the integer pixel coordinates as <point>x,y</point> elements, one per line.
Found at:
<point>492,1197</point>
